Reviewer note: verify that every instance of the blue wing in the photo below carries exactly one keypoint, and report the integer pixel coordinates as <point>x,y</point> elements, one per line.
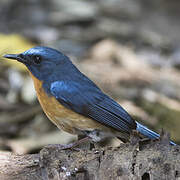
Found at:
<point>87,99</point>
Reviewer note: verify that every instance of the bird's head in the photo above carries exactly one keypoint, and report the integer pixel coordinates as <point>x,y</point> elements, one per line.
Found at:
<point>41,61</point>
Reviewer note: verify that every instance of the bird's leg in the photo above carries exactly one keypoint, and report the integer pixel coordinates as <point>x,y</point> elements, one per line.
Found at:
<point>69,146</point>
<point>87,145</point>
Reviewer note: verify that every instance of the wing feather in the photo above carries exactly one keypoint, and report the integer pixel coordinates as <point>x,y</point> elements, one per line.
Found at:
<point>91,102</point>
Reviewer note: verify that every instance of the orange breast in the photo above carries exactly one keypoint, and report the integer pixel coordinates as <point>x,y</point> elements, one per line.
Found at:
<point>62,117</point>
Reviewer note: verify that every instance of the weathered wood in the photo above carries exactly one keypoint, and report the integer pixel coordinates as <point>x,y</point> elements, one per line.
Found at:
<point>141,160</point>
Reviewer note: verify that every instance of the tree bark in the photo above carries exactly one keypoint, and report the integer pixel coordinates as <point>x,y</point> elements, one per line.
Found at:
<point>134,160</point>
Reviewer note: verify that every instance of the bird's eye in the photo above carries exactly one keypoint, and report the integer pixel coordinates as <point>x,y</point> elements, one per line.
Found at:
<point>37,59</point>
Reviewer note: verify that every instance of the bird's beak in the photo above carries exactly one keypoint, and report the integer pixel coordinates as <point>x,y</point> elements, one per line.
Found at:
<point>11,56</point>
<point>14,57</point>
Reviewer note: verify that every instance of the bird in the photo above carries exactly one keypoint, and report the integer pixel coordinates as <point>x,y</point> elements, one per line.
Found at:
<point>73,102</point>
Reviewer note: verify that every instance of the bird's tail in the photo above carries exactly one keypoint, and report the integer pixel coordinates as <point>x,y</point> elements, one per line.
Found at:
<point>148,133</point>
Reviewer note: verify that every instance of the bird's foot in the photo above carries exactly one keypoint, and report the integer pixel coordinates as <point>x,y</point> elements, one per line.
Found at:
<point>69,146</point>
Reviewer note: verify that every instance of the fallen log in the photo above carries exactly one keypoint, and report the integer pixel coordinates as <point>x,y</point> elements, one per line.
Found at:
<point>143,159</point>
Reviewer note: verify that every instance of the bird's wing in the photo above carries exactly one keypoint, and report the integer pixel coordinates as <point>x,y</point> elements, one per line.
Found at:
<point>91,102</point>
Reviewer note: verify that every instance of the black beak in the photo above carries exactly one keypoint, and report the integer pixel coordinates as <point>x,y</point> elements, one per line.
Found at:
<point>11,56</point>
<point>17,57</point>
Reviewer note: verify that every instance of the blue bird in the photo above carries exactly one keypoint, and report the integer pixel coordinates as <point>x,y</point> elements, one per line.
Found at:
<point>73,102</point>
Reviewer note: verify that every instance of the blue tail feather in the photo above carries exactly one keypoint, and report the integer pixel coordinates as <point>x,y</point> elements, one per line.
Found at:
<point>148,133</point>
